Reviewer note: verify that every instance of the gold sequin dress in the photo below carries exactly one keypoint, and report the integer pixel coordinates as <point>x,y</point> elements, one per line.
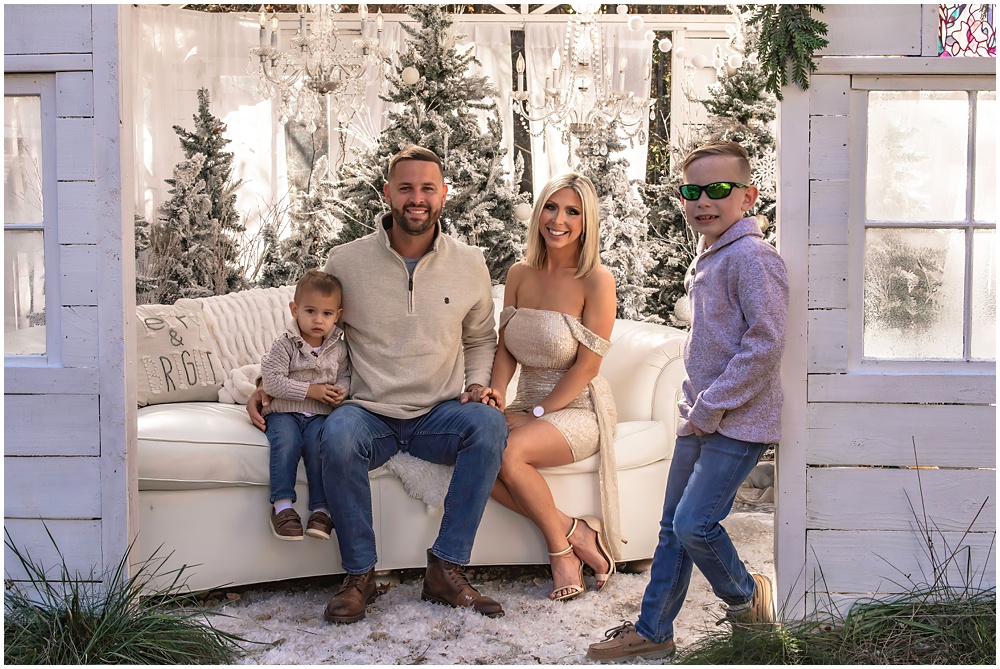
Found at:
<point>545,344</point>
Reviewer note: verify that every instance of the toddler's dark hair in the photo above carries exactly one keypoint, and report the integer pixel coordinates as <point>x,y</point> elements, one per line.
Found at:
<point>320,281</point>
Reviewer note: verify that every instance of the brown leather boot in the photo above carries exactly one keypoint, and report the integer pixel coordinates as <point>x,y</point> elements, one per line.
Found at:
<point>445,583</point>
<point>356,592</point>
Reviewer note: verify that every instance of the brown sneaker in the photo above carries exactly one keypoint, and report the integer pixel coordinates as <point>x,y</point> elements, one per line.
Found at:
<point>445,583</point>
<point>356,592</point>
<point>761,609</point>
<point>319,525</point>
<point>286,525</point>
<point>624,643</point>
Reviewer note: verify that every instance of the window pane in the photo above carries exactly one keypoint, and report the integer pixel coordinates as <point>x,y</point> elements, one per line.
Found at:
<point>914,293</point>
<point>984,294</point>
<point>986,156</point>
<point>22,159</point>
<point>917,155</point>
<point>24,292</point>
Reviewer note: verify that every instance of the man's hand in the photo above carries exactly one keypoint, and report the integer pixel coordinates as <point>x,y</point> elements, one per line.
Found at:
<point>327,393</point>
<point>483,395</point>
<point>258,400</point>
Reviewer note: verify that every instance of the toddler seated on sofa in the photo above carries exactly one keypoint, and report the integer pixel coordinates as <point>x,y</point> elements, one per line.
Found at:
<point>307,376</point>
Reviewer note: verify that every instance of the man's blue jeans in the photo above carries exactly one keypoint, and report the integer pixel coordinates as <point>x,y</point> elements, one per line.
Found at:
<point>470,436</point>
<point>705,474</point>
<point>293,436</point>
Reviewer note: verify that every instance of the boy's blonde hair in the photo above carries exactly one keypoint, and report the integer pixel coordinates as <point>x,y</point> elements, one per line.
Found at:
<point>536,253</point>
<point>721,148</point>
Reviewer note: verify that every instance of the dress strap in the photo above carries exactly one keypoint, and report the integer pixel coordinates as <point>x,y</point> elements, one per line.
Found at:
<point>505,316</point>
<point>587,337</point>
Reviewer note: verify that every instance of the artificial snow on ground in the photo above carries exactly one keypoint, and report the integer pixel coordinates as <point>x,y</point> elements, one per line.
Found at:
<point>287,622</point>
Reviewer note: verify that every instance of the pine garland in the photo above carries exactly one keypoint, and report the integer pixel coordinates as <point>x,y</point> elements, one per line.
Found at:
<point>788,33</point>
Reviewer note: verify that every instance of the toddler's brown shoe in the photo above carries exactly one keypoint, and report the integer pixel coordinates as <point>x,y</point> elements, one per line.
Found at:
<point>624,643</point>
<point>319,525</point>
<point>286,525</point>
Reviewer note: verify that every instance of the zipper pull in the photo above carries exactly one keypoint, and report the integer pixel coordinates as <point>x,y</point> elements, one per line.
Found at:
<point>411,284</point>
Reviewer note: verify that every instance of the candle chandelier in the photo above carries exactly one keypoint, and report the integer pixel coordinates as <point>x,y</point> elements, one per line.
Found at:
<point>582,93</point>
<point>321,63</point>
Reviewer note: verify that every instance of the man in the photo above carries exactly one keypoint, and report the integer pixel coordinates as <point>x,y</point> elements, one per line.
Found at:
<point>418,321</point>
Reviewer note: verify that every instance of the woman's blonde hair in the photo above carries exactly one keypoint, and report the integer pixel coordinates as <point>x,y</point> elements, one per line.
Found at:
<point>590,251</point>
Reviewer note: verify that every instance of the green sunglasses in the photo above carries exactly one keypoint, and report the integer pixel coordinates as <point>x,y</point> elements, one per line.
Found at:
<point>720,190</point>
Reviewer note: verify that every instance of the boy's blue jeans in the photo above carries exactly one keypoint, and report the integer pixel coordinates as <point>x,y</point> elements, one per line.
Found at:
<point>293,436</point>
<point>705,474</point>
<point>470,436</point>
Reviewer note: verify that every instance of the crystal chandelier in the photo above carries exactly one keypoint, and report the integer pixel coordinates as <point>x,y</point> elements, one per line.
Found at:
<point>320,63</point>
<point>582,93</point>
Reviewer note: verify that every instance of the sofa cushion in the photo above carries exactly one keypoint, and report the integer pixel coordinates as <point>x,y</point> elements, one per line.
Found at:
<point>199,445</point>
<point>177,357</point>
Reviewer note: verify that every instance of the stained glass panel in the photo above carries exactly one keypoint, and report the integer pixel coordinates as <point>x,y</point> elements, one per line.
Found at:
<point>966,30</point>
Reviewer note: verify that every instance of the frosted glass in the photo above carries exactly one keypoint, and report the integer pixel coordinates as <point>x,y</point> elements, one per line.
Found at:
<point>984,294</point>
<point>917,155</point>
<point>23,292</point>
<point>986,157</point>
<point>914,293</point>
<point>22,159</point>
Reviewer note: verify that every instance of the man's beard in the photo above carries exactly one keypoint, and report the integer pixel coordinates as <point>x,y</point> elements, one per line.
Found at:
<point>399,218</point>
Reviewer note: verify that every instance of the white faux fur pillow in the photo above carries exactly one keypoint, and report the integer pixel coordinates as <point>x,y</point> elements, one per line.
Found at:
<point>422,480</point>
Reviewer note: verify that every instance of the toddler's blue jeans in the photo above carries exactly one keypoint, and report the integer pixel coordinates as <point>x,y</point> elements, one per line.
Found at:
<point>293,436</point>
<point>705,474</point>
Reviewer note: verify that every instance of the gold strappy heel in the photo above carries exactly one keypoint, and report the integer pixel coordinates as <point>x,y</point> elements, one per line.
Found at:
<point>602,548</point>
<point>573,590</point>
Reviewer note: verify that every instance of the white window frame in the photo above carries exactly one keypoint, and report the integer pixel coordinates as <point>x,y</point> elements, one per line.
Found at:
<point>44,86</point>
<point>861,85</point>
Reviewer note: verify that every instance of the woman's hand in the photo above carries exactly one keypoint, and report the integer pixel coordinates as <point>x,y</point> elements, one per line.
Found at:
<point>516,420</point>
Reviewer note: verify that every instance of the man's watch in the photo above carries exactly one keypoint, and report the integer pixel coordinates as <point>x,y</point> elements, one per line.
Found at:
<point>538,411</point>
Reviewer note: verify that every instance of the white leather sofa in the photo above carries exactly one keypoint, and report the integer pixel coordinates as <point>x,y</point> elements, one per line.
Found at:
<point>203,468</point>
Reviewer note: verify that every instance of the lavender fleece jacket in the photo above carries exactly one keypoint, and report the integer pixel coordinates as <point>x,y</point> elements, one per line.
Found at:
<point>739,301</point>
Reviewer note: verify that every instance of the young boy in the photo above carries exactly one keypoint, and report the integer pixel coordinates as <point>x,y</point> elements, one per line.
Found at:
<point>731,408</point>
<point>306,374</point>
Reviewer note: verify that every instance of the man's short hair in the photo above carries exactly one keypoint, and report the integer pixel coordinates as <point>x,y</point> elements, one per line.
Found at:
<point>721,148</point>
<point>322,282</point>
<point>415,152</point>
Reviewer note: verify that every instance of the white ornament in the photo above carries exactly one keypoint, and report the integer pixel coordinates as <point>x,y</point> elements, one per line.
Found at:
<point>680,52</point>
<point>622,10</point>
<point>752,58</point>
<point>522,212</point>
<point>410,76</point>
<point>718,62</point>
<point>736,61</point>
<point>636,23</point>
<point>649,36</point>
<point>699,60</point>
<point>664,45</point>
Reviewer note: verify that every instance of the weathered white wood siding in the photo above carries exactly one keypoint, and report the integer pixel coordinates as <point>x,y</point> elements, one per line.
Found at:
<point>853,508</point>
<point>68,426</point>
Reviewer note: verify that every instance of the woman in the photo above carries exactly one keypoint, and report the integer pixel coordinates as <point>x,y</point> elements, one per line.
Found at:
<point>559,308</point>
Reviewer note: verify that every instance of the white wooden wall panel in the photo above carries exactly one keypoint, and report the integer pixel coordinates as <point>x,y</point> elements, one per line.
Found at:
<point>75,538</point>
<point>70,425</point>
<point>828,147</point>
<point>829,202</point>
<point>43,380</point>
<point>880,434</point>
<point>79,330</point>
<point>828,96</point>
<point>78,267</point>
<point>894,562</point>
<point>828,277</point>
<point>75,160</point>
<point>42,28</point>
<point>77,221</point>
<point>863,29</point>
<point>900,388</point>
<point>827,341</point>
<point>851,498</point>
<point>56,487</point>
<point>75,94</point>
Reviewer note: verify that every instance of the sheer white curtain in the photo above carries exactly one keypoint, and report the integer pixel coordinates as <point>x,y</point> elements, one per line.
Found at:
<point>181,51</point>
<point>550,157</point>
<point>491,46</point>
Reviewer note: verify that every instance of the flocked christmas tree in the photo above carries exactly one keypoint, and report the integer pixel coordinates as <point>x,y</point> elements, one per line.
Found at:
<point>437,111</point>
<point>313,231</point>
<point>625,248</point>
<point>740,109</point>
<point>192,250</point>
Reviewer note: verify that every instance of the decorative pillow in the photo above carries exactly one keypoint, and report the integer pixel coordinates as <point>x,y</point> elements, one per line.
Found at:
<point>177,358</point>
